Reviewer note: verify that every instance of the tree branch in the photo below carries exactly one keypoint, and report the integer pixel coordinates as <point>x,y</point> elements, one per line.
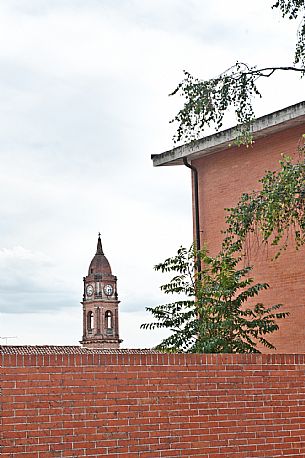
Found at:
<point>207,101</point>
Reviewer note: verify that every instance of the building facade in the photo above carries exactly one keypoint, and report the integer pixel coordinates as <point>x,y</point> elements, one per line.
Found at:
<point>224,173</point>
<point>100,304</point>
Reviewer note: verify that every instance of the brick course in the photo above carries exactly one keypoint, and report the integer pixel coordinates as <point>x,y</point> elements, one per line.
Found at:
<point>128,404</point>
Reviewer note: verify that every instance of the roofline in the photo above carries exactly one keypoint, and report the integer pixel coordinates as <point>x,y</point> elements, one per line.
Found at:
<point>69,350</point>
<point>271,123</point>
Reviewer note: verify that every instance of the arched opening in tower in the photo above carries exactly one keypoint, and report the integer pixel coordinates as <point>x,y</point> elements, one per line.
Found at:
<point>109,322</point>
<point>90,322</point>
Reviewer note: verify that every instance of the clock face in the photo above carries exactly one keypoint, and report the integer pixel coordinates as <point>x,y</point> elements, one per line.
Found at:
<point>89,290</point>
<point>108,290</point>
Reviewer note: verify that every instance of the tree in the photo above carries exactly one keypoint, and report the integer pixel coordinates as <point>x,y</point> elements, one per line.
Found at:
<point>213,316</point>
<point>275,212</point>
<point>206,101</point>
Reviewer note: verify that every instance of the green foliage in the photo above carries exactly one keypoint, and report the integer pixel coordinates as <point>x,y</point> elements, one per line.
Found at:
<point>295,9</point>
<point>213,316</point>
<point>207,101</point>
<point>275,212</point>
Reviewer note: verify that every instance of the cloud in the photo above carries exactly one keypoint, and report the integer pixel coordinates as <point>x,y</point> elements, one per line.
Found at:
<point>29,283</point>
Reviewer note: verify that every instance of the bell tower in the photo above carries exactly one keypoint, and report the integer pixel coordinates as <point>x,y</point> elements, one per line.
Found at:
<point>100,304</point>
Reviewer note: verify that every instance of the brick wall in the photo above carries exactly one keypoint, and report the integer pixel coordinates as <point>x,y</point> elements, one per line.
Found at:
<point>223,177</point>
<point>152,405</point>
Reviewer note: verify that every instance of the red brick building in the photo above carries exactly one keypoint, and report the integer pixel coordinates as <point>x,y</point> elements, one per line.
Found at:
<point>224,173</point>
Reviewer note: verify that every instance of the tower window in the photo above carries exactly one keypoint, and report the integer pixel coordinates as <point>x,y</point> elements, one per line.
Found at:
<point>98,320</point>
<point>90,323</point>
<point>109,319</point>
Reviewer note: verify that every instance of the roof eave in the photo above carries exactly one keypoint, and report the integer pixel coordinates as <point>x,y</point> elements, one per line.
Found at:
<point>274,122</point>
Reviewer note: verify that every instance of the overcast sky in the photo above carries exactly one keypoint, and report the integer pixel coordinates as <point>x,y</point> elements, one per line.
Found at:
<point>84,102</point>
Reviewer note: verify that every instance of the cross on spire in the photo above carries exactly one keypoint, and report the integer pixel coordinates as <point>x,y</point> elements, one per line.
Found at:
<point>99,248</point>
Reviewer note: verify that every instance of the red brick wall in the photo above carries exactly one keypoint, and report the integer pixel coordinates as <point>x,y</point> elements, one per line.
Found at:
<point>223,177</point>
<point>213,406</point>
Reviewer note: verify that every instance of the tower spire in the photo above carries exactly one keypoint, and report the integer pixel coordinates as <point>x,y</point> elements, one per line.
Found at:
<point>99,248</point>
<point>100,304</point>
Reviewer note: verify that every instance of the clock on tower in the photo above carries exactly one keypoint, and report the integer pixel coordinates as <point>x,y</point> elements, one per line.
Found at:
<point>100,304</point>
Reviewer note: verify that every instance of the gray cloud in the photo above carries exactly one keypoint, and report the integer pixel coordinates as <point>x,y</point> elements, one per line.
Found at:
<point>29,283</point>
<point>83,104</point>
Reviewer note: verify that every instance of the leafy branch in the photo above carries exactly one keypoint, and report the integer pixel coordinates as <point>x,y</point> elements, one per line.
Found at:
<point>207,101</point>
<point>295,9</point>
<point>275,212</point>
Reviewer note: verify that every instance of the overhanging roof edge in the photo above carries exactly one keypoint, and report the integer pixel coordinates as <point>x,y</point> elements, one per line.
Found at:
<point>272,122</point>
